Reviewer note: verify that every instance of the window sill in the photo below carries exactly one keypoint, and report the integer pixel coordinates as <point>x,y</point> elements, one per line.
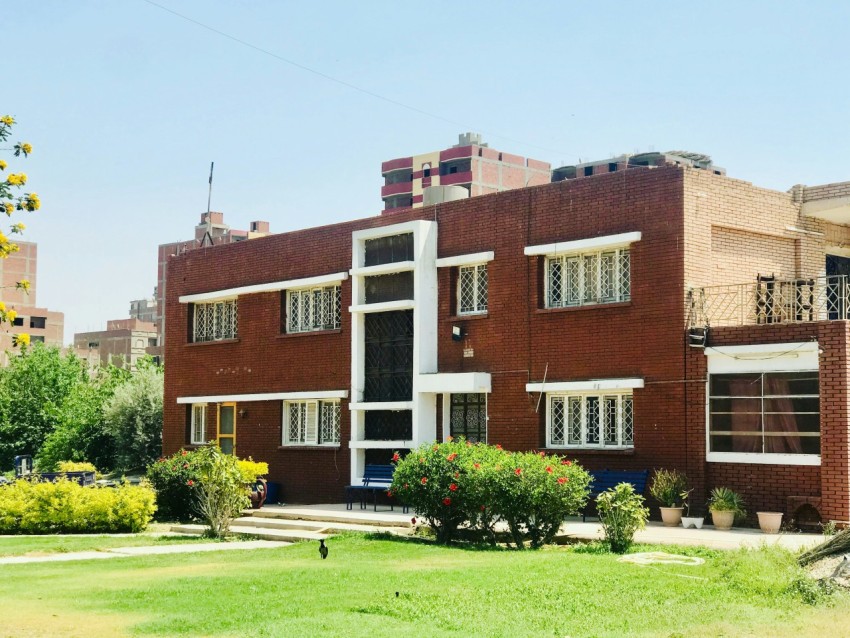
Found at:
<point>763,459</point>
<point>311,448</point>
<point>470,317</point>
<point>589,306</point>
<point>310,333</point>
<point>212,343</point>
<point>592,451</point>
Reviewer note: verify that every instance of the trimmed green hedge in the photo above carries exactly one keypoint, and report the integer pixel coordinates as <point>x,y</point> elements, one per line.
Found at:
<point>65,507</point>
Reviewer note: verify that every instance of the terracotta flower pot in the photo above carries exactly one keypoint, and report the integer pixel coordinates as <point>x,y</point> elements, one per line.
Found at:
<point>671,516</point>
<point>723,520</point>
<point>770,522</point>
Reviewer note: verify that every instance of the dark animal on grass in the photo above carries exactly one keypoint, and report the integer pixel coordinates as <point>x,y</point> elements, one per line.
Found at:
<point>323,551</point>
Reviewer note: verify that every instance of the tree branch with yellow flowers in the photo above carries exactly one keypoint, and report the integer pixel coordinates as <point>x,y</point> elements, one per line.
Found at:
<point>13,200</point>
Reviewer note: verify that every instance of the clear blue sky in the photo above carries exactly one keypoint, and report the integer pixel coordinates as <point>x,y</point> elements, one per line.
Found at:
<point>127,104</point>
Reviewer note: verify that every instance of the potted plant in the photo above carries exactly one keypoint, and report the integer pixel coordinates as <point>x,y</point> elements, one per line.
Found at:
<point>770,522</point>
<point>689,521</point>
<point>252,472</point>
<point>725,506</point>
<point>669,487</point>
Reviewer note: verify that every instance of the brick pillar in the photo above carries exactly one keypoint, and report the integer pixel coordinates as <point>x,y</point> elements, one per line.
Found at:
<point>835,420</point>
<point>696,425</point>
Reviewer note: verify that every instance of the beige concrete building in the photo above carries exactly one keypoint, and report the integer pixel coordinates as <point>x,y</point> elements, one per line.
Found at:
<point>122,344</point>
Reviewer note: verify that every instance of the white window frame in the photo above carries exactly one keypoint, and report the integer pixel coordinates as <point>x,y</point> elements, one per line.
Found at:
<point>583,280</point>
<point>221,325</point>
<point>198,430</point>
<point>315,417</point>
<point>624,407</point>
<point>295,321</point>
<point>755,358</point>
<point>478,308</point>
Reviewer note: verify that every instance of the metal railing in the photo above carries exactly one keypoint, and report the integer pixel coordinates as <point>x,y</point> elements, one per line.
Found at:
<point>768,300</point>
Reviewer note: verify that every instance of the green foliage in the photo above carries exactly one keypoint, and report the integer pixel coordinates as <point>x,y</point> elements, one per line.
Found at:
<point>221,494</point>
<point>65,507</point>
<point>175,480</point>
<point>722,499</point>
<point>622,513</point>
<point>251,470</point>
<point>669,487</point>
<point>33,390</point>
<point>455,484</point>
<point>134,417</point>
<point>75,466</point>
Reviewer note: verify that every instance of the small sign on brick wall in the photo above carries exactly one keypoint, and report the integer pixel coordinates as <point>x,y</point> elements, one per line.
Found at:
<point>468,353</point>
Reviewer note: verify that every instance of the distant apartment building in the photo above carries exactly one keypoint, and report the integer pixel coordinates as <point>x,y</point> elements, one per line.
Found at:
<point>43,325</point>
<point>123,342</point>
<point>211,231</point>
<point>651,159</point>
<point>470,165</point>
<point>144,309</point>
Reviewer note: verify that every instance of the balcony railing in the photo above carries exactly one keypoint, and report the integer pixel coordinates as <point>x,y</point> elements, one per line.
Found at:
<point>768,300</point>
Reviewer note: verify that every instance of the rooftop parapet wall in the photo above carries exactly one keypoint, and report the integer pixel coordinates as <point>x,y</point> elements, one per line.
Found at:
<point>826,191</point>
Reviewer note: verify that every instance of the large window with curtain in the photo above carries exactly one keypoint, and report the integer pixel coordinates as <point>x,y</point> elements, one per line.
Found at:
<point>765,413</point>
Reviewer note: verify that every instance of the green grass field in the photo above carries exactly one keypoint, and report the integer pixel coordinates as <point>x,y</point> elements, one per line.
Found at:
<point>561,591</point>
<point>51,544</point>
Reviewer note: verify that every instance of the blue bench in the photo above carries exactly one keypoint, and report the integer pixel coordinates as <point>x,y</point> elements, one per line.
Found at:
<point>376,479</point>
<point>606,479</point>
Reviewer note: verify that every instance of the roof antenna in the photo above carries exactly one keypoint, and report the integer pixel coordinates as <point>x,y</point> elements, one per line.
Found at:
<point>209,196</point>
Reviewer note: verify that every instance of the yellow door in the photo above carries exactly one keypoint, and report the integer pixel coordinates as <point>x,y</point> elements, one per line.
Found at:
<point>227,427</point>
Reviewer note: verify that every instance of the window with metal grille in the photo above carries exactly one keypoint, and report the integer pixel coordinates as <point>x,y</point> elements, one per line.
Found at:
<point>313,309</point>
<point>215,321</point>
<point>388,356</point>
<point>765,413</point>
<point>199,424</point>
<point>590,421</point>
<point>388,250</point>
<point>380,288</point>
<point>311,422</point>
<point>468,417</point>
<point>388,425</point>
<point>472,289</point>
<point>588,278</point>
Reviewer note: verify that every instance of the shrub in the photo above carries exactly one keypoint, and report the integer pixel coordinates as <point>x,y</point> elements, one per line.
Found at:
<point>251,470</point>
<point>621,513</point>
<point>722,499</point>
<point>65,507</point>
<point>175,479</point>
<point>456,484</point>
<point>669,487</point>
<point>75,466</point>
<point>533,493</point>
<point>220,495</point>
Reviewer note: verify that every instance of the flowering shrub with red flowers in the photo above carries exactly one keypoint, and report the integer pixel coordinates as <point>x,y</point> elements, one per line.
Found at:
<point>455,485</point>
<point>175,480</point>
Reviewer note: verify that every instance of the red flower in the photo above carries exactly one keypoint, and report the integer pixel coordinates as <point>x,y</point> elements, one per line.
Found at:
<point>542,454</point>
<point>483,507</point>
<point>549,469</point>
<point>453,487</point>
<point>450,439</point>
<point>190,482</point>
<point>477,466</point>
<point>183,452</point>
<point>468,444</point>
<point>396,457</point>
<point>566,462</point>
<point>185,465</point>
<point>406,485</point>
<point>447,501</point>
<point>413,520</point>
<point>518,471</point>
<point>452,456</point>
<point>424,480</point>
<point>421,459</point>
<point>498,446</point>
<point>390,493</point>
<point>436,447</point>
<point>563,480</point>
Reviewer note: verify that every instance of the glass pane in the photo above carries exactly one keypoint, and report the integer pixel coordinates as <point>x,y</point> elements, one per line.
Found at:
<point>226,445</point>
<point>593,419</point>
<point>226,419</point>
<point>736,385</point>
<point>786,422</point>
<point>736,422</point>
<point>784,383</point>
<point>735,405</point>
<point>796,404</point>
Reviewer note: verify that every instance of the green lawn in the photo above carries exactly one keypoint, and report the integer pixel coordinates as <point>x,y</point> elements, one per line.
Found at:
<point>50,544</point>
<point>378,587</point>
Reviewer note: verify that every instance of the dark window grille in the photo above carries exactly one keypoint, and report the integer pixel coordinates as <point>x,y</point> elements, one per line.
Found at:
<point>469,417</point>
<point>387,425</point>
<point>389,287</point>
<point>389,250</point>
<point>389,356</point>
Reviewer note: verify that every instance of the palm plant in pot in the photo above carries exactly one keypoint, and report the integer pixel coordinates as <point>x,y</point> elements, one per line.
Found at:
<point>670,488</point>
<point>725,506</point>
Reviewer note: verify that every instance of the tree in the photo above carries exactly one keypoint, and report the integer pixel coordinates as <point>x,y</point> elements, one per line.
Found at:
<point>133,416</point>
<point>12,200</point>
<point>33,390</point>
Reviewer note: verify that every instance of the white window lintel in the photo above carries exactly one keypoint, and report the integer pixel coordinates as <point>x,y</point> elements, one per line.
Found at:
<point>580,245</point>
<point>232,293</point>
<point>466,260</point>
<point>590,385</point>
<point>268,396</point>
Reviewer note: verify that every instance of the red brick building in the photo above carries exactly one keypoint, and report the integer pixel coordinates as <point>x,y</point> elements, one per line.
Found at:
<point>560,317</point>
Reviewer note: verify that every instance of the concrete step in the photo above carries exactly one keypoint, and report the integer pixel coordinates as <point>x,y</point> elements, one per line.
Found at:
<point>325,527</point>
<point>292,536</point>
<point>350,517</point>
